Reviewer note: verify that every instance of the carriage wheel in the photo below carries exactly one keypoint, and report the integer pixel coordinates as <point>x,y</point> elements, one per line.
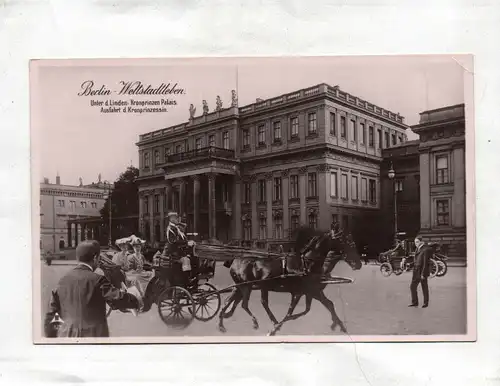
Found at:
<point>207,302</point>
<point>443,268</point>
<point>175,307</point>
<point>433,268</point>
<point>386,269</point>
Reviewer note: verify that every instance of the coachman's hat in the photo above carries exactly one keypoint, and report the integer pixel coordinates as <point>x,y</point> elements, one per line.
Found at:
<point>172,214</point>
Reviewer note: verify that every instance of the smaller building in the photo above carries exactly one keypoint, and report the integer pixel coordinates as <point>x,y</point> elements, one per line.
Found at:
<point>59,205</point>
<point>442,182</point>
<point>429,182</point>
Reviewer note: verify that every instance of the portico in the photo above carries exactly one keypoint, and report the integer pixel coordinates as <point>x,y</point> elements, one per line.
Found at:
<point>199,186</point>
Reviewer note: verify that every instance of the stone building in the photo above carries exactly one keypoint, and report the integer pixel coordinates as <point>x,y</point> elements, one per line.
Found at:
<point>254,173</point>
<point>442,177</point>
<point>60,205</point>
<point>429,181</point>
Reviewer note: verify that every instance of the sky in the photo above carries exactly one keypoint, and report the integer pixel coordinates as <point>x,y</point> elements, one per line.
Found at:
<point>74,139</point>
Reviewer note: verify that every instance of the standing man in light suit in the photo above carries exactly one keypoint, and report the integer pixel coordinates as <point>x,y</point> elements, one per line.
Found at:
<point>421,272</point>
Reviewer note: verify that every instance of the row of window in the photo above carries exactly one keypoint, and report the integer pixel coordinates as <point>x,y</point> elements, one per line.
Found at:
<point>70,194</point>
<point>368,188</point>
<point>353,133</point>
<point>181,148</point>
<point>222,195</point>
<point>277,228</point>
<point>312,128</point>
<point>72,204</point>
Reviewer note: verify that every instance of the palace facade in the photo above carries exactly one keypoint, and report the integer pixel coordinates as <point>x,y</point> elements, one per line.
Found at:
<point>63,205</point>
<point>253,174</point>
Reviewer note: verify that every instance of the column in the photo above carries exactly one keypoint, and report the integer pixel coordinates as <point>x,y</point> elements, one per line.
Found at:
<point>211,205</point>
<point>140,226</point>
<point>253,198</point>
<point>458,209</point>
<point>69,235</point>
<point>76,235</point>
<point>302,194</point>
<point>425,200</point>
<point>168,196</point>
<point>269,204</point>
<point>196,202</point>
<point>182,192</point>
<point>236,220</point>
<point>151,199</point>
<point>285,184</point>
<point>162,214</point>
<point>324,217</point>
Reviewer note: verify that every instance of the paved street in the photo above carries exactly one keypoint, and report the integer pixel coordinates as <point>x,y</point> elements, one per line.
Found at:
<point>372,305</point>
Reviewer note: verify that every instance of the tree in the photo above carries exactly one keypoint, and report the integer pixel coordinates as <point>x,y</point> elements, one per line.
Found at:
<point>124,204</point>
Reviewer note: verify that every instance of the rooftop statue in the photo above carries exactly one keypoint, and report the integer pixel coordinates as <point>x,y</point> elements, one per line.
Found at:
<point>218,104</point>
<point>192,111</point>
<point>205,107</point>
<point>234,99</point>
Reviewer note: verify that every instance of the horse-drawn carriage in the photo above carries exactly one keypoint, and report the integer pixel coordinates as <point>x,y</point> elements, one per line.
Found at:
<point>401,258</point>
<point>180,302</point>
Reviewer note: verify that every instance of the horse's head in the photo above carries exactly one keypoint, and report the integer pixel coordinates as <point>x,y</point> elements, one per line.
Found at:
<point>342,248</point>
<point>351,254</point>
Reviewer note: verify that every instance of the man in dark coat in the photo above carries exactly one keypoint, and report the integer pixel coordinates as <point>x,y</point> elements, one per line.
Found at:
<point>81,296</point>
<point>421,272</point>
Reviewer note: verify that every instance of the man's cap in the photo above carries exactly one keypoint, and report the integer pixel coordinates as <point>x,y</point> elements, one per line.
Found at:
<point>86,250</point>
<point>172,214</point>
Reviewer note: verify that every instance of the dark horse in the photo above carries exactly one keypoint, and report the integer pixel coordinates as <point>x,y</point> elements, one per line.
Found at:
<point>250,273</point>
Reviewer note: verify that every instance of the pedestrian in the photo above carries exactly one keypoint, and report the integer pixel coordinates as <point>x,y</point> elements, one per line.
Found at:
<point>421,271</point>
<point>81,296</point>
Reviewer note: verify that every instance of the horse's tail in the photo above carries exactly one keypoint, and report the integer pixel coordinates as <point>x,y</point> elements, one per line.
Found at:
<point>228,263</point>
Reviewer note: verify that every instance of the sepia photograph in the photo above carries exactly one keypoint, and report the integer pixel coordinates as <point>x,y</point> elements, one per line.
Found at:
<point>292,199</point>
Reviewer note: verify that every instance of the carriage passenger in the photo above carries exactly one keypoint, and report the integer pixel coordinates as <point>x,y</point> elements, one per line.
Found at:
<point>136,259</point>
<point>121,258</point>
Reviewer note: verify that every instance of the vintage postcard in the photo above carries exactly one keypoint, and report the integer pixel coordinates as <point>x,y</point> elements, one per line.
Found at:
<point>304,199</point>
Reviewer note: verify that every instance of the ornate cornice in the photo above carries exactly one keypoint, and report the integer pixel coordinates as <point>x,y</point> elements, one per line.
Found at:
<point>285,173</point>
<point>268,176</point>
<point>302,170</point>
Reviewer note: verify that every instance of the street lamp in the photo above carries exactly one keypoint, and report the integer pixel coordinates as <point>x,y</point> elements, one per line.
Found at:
<point>391,174</point>
<point>108,196</point>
